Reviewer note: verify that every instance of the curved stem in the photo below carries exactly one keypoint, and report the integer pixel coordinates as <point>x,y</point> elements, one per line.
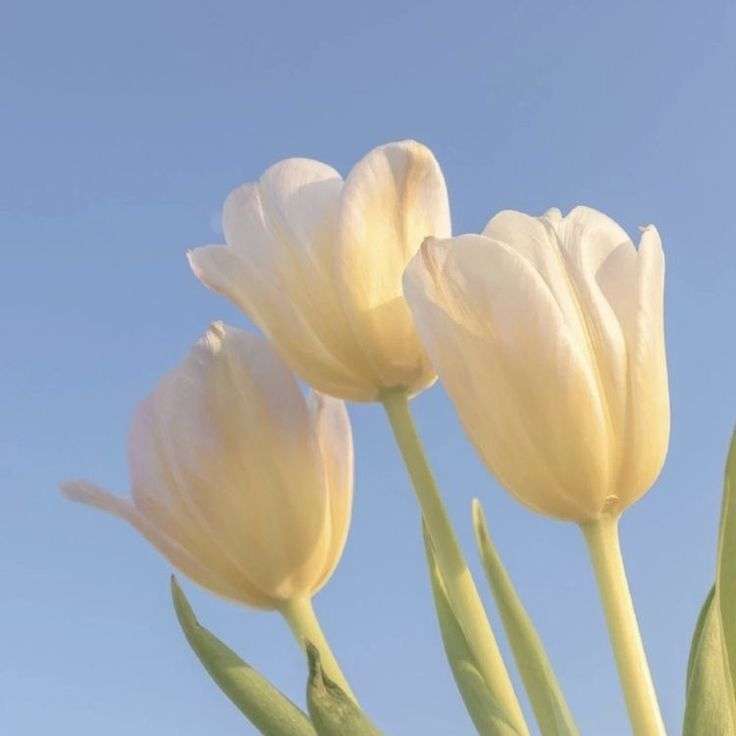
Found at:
<point>303,622</point>
<point>631,660</point>
<point>461,589</point>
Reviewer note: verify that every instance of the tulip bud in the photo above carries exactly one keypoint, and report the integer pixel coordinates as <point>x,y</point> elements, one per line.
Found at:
<point>548,335</point>
<point>239,480</point>
<point>317,264</point>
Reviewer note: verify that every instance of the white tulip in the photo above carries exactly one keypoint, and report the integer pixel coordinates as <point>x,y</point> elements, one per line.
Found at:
<point>548,335</point>
<point>239,480</point>
<point>316,262</point>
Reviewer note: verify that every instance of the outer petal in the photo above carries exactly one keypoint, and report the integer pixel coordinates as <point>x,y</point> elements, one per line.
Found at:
<point>332,428</point>
<point>521,384</point>
<point>238,435</point>
<point>214,580</point>
<point>634,284</point>
<point>587,238</point>
<point>567,252</point>
<point>392,200</point>
<point>231,477</point>
<point>278,269</point>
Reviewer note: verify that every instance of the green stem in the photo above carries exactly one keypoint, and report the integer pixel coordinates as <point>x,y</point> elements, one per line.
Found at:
<point>302,620</point>
<point>623,629</point>
<point>461,589</point>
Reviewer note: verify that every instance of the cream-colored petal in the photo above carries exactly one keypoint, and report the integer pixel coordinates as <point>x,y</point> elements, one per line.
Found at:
<point>237,590</point>
<point>332,428</point>
<point>633,283</point>
<point>165,494</point>
<point>293,334</point>
<point>647,434</point>
<point>300,199</point>
<point>529,237</point>
<point>522,386</point>
<point>392,199</point>
<point>278,268</point>
<point>537,242</point>
<point>567,253</point>
<point>244,430</point>
<point>586,238</point>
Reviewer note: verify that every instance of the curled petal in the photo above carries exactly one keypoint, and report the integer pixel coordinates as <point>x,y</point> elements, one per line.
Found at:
<point>230,474</point>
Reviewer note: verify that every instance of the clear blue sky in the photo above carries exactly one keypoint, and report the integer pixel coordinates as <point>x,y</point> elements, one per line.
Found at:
<point>122,128</point>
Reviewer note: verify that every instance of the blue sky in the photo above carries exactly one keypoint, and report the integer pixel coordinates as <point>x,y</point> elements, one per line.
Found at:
<point>122,128</point>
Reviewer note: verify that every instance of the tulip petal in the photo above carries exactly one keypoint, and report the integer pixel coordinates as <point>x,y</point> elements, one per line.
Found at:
<point>524,391</point>
<point>634,285</point>
<point>587,238</point>
<point>567,253</point>
<point>278,268</point>
<point>92,495</point>
<point>245,430</point>
<point>393,198</point>
<point>178,503</point>
<point>232,473</point>
<point>332,427</point>
<point>649,426</point>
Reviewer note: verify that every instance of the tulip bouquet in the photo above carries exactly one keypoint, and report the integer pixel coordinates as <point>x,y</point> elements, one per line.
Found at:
<point>547,333</point>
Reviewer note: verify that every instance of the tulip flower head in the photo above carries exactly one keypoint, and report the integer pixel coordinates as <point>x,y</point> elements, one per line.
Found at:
<point>316,262</point>
<point>548,335</point>
<point>241,481</point>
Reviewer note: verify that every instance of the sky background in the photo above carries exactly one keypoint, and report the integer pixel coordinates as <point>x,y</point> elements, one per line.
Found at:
<point>123,126</point>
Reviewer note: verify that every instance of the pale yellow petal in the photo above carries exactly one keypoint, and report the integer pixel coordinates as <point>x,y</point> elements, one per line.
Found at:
<point>278,268</point>
<point>392,199</point>
<point>647,433</point>
<point>523,388</point>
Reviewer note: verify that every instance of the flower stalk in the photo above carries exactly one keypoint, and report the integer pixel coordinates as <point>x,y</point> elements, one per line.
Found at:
<point>636,680</point>
<point>299,614</point>
<point>461,589</point>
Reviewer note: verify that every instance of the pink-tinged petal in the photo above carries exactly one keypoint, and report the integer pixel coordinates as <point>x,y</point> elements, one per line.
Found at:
<point>231,476</point>
<point>332,428</point>
<point>214,580</point>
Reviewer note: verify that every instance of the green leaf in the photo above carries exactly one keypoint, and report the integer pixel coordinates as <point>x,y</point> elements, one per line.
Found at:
<point>708,685</point>
<point>548,702</point>
<point>333,713</point>
<point>272,713</point>
<point>711,670</point>
<point>726,569</point>
<point>487,716</point>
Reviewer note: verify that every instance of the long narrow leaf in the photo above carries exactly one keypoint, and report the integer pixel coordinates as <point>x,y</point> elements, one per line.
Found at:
<point>486,715</point>
<point>272,713</point>
<point>708,687</point>
<point>726,570</point>
<point>548,702</point>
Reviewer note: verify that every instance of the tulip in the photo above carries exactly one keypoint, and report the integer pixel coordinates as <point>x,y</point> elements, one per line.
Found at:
<point>548,336</point>
<point>239,480</point>
<point>316,263</point>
